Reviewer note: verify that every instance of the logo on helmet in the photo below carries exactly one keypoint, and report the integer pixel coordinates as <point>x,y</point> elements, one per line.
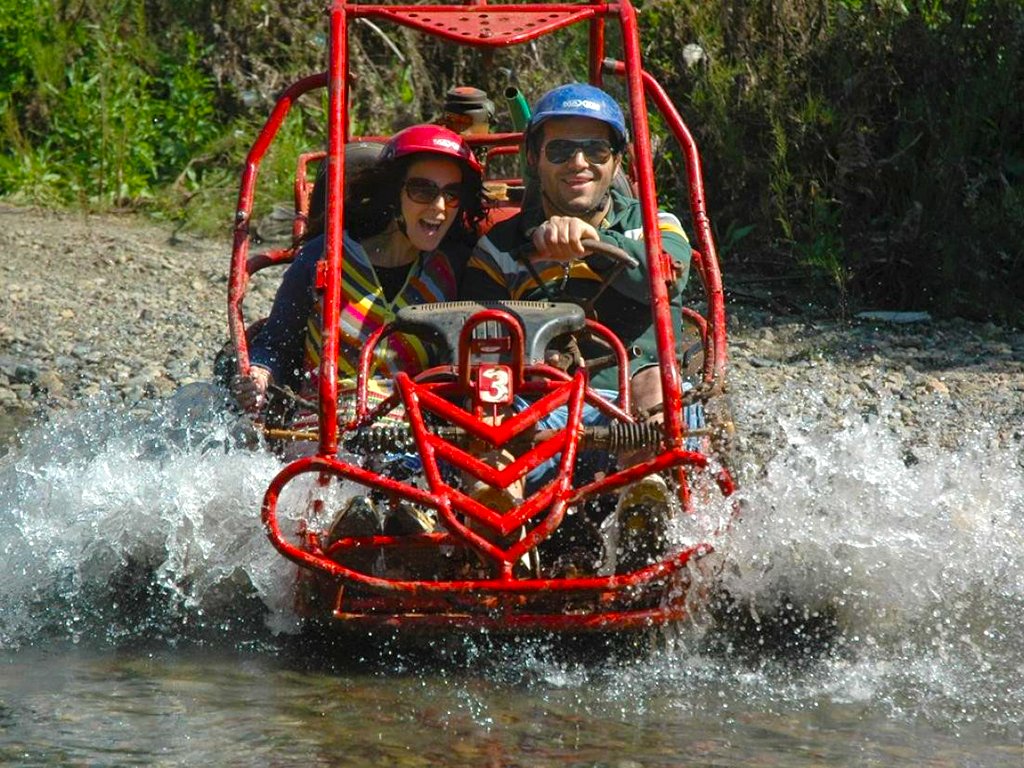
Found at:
<point>454,146</point>
<point>593,106</point>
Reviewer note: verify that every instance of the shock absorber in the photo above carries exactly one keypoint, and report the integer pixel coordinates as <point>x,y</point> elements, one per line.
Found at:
<point>379,439</point>
<point>622,436</point>
<point>616,437</point>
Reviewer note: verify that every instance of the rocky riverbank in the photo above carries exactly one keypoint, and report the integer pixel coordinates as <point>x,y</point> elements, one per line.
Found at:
<point>106,306</point>
<point>120,308</point>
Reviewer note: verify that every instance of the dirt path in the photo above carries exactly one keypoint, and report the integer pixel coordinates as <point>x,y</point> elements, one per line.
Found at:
<point>108,304</point>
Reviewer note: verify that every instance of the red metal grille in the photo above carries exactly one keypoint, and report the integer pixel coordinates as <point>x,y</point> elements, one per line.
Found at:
<point>481,25</point>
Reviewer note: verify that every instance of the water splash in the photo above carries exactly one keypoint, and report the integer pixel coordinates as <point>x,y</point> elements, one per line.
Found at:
<point>873,574</point>
<point>120,525</point>
<point>912,554</point>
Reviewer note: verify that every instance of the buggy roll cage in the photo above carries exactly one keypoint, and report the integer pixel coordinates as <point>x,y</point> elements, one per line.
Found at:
<point>481,25</point>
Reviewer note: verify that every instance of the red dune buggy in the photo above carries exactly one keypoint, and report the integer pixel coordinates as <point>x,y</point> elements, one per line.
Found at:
<point>553,557</point>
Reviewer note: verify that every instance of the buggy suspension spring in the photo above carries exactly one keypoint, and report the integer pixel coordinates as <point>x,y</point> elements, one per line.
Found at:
<point>377,438</point>
<point>615,437</point>
<point>621,436</point>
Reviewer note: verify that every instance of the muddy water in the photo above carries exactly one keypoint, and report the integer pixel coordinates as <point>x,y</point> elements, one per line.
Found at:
<point>144,620</point>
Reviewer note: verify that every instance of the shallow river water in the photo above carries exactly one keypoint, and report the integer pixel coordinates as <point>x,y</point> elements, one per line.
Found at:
<point>145,620</point>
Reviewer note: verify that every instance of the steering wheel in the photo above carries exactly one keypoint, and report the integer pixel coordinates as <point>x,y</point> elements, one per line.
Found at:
<point>622,260</point>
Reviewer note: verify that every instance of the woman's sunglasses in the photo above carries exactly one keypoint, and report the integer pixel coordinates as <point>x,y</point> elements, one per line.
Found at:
<point>597,151</point>
<point>424,191</point>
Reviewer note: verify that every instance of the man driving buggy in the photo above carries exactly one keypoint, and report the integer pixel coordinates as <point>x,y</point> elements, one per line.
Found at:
<point>575,142</point>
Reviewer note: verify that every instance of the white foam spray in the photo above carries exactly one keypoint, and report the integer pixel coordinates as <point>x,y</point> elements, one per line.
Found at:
<point>106,513</point>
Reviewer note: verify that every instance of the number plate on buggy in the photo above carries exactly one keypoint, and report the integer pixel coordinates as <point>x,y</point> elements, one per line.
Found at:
<point>494,384</point>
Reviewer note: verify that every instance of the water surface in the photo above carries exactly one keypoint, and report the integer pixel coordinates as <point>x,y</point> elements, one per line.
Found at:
<point>145,620</point>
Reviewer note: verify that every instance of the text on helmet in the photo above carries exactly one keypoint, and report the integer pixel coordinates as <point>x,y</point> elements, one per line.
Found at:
<point>593,106</point>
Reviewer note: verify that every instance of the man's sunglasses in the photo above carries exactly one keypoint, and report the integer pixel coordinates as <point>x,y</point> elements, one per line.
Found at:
<point>597,151</point>
<point>424,191</point>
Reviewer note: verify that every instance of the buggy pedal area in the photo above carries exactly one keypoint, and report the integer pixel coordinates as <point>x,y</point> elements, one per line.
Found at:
<point>432,575</point>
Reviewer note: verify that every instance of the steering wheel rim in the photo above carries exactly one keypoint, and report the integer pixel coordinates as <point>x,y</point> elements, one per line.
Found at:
<point>621,259</point>
<point>612,251</point>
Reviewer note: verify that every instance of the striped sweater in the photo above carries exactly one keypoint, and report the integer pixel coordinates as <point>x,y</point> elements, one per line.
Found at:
<point>289,343</point>
<point>492,273</point>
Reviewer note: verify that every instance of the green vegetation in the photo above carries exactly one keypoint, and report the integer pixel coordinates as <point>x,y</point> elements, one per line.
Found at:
<point>872,149</point>
<point>879,143</point>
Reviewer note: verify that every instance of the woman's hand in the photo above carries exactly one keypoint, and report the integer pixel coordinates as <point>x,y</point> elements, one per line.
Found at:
<point>561,237</point>
<point>251,391</point>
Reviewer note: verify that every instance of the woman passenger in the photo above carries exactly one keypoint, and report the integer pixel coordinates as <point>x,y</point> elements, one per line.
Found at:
<point>411,221</point>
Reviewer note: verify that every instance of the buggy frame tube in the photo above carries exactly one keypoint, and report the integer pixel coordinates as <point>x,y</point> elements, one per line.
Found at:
<point>710,272</point>
<point>336,103</point>
<point>317,561</point>
<point>240,268</point>
<point>671,383</point>
<point>596,48</point>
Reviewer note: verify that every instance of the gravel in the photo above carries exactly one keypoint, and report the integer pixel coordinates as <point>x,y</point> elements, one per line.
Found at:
<point>107,306</point>
<point>118,307</point>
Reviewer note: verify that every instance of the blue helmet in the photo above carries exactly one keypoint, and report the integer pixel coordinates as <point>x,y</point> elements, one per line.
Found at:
<point>579,100</point>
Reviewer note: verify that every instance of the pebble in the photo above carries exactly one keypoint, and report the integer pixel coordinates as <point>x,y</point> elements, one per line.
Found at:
<point>50,383</point>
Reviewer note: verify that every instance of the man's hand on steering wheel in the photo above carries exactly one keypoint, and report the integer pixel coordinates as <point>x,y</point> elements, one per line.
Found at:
<point>561,238</point>
<point>567,239</point>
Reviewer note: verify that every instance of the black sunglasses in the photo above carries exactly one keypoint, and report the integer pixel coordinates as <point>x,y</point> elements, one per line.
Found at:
<point>425,191</point>
<point>597,151</point>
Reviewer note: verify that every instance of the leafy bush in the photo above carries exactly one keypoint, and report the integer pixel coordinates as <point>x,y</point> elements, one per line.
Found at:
<point>122,118</point>
<point>879,143</point>
<point>872,148</point>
